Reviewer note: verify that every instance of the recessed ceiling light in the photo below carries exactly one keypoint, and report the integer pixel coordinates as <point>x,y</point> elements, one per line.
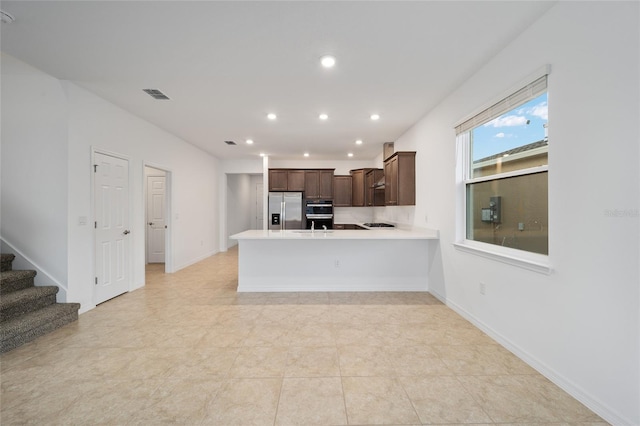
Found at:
<point>306,154</point>
<point>249,142</point>
<point>271,116</point>
<point>359,142</point>
<point>323,116</point>
<point>375,117</point>
<point>262,154</point>
<point>350,154</point>
<point>328,61</point>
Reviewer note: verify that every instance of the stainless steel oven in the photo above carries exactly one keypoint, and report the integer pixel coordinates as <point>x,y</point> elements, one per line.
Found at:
<point>319,214</point>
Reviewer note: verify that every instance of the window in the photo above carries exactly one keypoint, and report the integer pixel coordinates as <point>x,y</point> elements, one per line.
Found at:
<point>504,166</point>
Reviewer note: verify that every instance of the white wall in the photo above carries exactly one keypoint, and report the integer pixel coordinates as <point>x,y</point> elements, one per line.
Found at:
<point>240,197</point>
<point>256,182</point>
<point>580,324</point>
<point>251,166</point>
<point>33,169</point>
<point>97,124</point>
<point>61,124</point>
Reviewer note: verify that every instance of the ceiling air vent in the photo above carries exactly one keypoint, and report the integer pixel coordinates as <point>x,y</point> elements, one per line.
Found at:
<point>155,94</point>
<point>230,142</point>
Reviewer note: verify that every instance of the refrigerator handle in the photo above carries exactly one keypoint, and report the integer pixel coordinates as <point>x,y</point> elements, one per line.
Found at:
<point>283,218</point>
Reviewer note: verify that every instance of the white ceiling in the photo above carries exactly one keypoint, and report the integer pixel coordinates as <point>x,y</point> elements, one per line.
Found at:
<point>226,64</point>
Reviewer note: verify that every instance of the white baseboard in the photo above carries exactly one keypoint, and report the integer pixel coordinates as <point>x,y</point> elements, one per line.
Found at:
<point>438,296</point>
<point>594,404</point>
<point>335,284</point>
<point>42,276</point>
<point>194,261</point>
<point>84,307</point>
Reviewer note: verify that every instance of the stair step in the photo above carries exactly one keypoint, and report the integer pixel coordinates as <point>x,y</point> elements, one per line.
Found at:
<point>30,299</point>
<point>6,261</point>
<point>15,280</point>
<point>26,328</point>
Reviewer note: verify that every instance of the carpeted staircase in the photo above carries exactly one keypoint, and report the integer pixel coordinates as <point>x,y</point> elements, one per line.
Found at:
<point>26,311</point>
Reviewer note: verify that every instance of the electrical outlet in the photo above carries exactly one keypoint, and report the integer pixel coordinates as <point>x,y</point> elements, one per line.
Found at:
<point>337,263</point>
<point>426,218</point>
<point>482,289</point>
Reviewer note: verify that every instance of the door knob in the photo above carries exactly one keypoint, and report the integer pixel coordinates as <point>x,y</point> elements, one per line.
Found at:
<point>150,223</point>
<point>126,231</point>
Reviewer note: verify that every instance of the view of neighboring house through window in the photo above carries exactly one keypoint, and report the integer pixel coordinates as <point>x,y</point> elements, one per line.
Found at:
<point>506,168</point>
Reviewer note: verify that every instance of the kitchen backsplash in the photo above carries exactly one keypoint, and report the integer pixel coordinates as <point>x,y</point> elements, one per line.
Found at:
<point>354,214</point>
<point>403,215</point>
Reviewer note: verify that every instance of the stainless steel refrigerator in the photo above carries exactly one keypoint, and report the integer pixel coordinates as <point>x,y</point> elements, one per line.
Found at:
<point>285,210</point>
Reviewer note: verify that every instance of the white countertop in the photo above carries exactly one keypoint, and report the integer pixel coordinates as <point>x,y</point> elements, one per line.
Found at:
<point>340,234</point>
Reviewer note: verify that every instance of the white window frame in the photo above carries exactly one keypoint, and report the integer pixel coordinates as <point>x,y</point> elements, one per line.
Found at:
<point>520,258</point>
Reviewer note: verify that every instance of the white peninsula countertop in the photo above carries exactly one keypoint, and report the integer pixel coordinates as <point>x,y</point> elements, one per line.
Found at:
<point>389,259</point>
<point>340,234</point>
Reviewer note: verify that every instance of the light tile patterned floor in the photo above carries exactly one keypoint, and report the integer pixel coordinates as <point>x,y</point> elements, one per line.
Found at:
<point>187,349</point>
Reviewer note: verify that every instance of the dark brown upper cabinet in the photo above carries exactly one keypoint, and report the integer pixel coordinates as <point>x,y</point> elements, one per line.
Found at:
<point>286,180</point>
<point>342,191</point>
<point>318,184</point>
<point>400,179</point>
<point>373,195</point>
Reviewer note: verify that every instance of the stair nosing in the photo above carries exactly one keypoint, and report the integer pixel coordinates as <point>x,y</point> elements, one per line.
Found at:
<point>7,275</point>
<point>26,294</point>
<point>62,309</point>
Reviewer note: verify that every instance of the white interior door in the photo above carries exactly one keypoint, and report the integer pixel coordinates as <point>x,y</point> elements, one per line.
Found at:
<point>112,234</point>
<point>259,206</point>
<point>156,220</point>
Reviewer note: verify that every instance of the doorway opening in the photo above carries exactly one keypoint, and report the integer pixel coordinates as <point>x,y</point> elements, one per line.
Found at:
<point>244,204</point>
<point>157,184</point>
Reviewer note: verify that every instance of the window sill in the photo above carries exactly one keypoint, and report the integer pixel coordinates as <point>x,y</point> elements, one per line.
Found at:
<point>530,261</point>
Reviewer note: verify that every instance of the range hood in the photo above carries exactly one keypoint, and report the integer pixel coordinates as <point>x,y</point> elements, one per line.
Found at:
<point>387,151</point>
<point>379,184</point>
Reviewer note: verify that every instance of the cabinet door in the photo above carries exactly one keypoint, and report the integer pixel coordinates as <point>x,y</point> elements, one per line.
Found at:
<point>326,184</point>
<point>342,191</point>
<point>391,181</point>
<point>406,180</point>
<point>400,179</point>
<point>369,180</point>
<point>277,180</point>
<point>311,184</point>
<point>378,193</point>
<point>357,188</point>
<point>373,196</point>
<point>295,180</point>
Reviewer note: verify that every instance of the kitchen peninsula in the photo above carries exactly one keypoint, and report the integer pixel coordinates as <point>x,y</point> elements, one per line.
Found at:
<point>334,260</point>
